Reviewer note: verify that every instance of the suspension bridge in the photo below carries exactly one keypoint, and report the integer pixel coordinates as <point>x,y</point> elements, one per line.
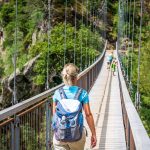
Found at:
<point>27,125</point>
<point>118,125</point>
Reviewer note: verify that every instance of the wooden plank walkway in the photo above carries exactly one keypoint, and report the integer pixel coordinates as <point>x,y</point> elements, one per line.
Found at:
<point>105,105</point>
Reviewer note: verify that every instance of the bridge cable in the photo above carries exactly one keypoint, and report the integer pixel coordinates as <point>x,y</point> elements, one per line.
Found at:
<point>93,28</point>
<point>127,36</point>
<point>75,30</point>
<point>129,59</point>
<point>95,19</point>
<point>139,58</point>
<point>132,46</point>
<point>48,103</point>
<point>65,32</point>
<point>128,50</point>
<point>105,17</point>
<point>127,77</point>
<point>15,101</point>
<point>124,32</point>
<point>86,61</point>
<point>81,42</point>
<point>96,29</point>
<point>90,35</point>
<point>126,20</point>
<point>48,35</point>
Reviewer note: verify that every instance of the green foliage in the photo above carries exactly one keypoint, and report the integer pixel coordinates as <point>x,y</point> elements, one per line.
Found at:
<point>7,14</point>
<point>145,116</point>
<point>146,101</point>
<point>56,50</point>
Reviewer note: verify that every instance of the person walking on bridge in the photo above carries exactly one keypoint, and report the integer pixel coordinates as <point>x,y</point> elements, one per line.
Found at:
<point>67,124</point>
<point>109,60</point>
<point>113,66</point>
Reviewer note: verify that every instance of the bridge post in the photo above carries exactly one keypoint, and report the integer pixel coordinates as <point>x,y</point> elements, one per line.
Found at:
<point>15,136</point>
<point>48,124</point>
<point>88,81</point>
<point>12,136</point>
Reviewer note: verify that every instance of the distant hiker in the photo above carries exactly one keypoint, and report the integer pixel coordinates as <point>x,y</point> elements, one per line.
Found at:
<point>67,124</point>
<point>113,66</point>
<point>109,59</point>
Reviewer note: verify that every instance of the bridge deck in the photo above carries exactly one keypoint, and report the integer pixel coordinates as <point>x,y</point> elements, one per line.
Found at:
<point>106,108</point>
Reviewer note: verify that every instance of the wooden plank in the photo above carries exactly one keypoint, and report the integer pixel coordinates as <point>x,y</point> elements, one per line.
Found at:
<point>105,105</point>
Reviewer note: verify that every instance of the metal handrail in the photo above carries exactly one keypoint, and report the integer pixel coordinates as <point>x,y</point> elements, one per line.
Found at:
<point>8,112</point>
<point>136,135</point>
<point>26,125</point>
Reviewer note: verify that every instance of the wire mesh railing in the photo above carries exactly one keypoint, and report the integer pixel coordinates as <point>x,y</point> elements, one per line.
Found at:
<point>27,125</point>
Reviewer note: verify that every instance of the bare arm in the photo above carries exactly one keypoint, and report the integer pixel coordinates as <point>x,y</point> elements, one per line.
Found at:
<point>90,121</point>
<point>89,118</point>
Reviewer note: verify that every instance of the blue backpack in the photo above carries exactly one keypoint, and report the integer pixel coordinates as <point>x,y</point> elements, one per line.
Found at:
<point>67,122</point>
<point>109,58</point>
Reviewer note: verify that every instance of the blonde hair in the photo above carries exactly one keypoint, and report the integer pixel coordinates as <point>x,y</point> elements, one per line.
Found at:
<point>69,73</point>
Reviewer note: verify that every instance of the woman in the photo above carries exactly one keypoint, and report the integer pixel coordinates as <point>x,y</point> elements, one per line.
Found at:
<point>69,76</point>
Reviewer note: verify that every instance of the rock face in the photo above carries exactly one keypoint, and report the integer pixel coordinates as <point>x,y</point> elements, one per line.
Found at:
<point>24,85</point>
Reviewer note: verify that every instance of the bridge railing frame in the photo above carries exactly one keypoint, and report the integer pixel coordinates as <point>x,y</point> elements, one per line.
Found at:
<point>136,135</point>
<point>29,113</point>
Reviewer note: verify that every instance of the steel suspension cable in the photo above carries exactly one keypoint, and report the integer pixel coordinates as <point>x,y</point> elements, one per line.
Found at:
<point>75,30</point>
<point>127,77</point>
<point>122,22</point>
<point>103,20</point>
<point>89,62</point>
<point>132,43</point>
<point>119,23</point>
<point>139,57</point>
<point>125,35</point>
<point>95,30</point>
<point>105,17</point>
<point>126,16</point>
<point>102,12</point>
<point>129,64</point>
<point>123,26</point>
<point>129,17</point>
<point>90,32</point>
<point>48,112</point>
<point>123,17</point>
<point>15,101</point>
<point>65,32</point>
<point>86,61</point>
<point>97,39</point>
<point>81,57</point>
<point>48,35</point>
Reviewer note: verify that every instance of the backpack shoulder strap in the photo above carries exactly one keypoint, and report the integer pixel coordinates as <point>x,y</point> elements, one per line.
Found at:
<point>79,91</point>
<point>62,93</point>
